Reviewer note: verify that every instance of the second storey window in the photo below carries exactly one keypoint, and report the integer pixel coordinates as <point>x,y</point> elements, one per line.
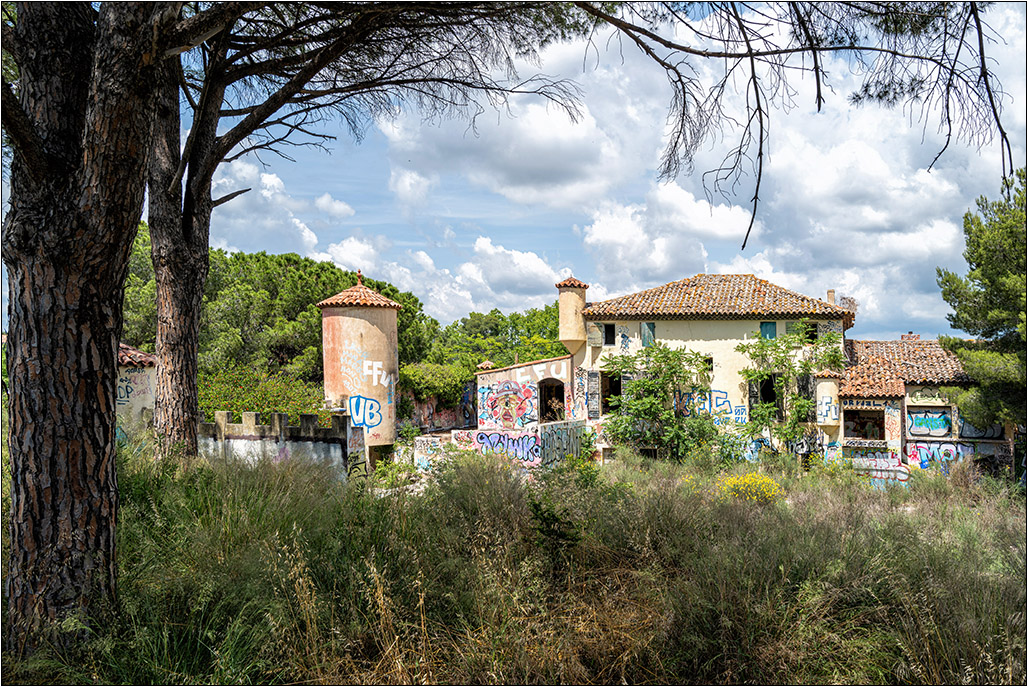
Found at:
<point>608,335</point>
<point>768,330</point>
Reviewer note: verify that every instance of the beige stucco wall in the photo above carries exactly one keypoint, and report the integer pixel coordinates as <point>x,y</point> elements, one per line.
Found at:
<point>571,302</point>
<point>715,338</point>
<point>362,368</point>
<point>135,393</point>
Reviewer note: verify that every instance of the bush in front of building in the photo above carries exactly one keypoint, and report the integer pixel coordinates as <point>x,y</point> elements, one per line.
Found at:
<point>242,390</point>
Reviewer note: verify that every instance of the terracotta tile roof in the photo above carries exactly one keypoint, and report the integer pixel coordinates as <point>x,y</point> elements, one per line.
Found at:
<point>719,297</point>
<point>873,377</point>
<point>133,357</point>
<point>915,361</point>
<point>572,283</point>
<point>359,295</point>
<point>829,374</point>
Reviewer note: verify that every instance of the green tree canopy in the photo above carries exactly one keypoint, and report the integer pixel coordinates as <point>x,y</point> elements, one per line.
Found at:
<point>259,311</point>
<point>989,304</point>
<point>503,339</point>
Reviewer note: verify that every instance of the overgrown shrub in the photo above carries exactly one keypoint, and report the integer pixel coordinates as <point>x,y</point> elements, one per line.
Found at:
<point>242,390</point>
<point>444,381</point>
<point>751,486</point>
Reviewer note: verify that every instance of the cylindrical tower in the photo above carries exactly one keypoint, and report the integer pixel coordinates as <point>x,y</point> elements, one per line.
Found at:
<point>570,304</point>
<point>358,335</point>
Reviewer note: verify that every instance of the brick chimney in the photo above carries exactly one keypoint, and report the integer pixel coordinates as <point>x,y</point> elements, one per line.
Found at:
<point>831,296</point>
<point>910,336</point>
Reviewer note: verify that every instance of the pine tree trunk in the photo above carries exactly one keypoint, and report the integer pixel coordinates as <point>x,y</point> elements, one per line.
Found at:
<point>68,236</point>
<point>180,270</point>
<point>180,236</point>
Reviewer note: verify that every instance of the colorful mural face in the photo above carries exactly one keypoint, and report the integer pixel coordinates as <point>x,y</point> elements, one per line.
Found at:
<point>936,422</point>
<point>508,405</point>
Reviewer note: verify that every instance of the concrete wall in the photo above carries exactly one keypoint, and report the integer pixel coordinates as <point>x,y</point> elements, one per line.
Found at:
<point>341,445</point>
<point>362,369</point>
<point>136,393</point>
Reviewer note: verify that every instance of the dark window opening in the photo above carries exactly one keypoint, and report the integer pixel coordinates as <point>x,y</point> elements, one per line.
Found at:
<point>608,335</point>
<point>764,391</point>
<point>551,400</point>
<point>808,331</point>
<point>864,424</point>
<point>708,364</point>
<point>648,453</point>
<point>610,385</point>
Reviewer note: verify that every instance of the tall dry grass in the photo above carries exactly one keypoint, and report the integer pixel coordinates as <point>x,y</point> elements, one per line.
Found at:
<point>636,572</point>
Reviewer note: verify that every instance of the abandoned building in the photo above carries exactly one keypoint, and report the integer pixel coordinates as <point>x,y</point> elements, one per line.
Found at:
<point>137,382</point>
<point>884,411</point>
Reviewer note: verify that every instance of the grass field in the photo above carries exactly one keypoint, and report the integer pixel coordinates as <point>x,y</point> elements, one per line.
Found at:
<point>635,571</point>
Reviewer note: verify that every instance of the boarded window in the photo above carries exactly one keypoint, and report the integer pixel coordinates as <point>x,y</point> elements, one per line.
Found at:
<point>593,395</point>
<point>648,330</point>
<point>768,330</point>
<point>594,336</point>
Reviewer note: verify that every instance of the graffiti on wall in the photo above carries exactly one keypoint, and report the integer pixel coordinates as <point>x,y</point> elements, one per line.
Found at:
<point>351,365</point>
<point>133,382</point>
<point>561,439</point>
<point>623,338</point>
<point>927,395</point>
<point>427,451</point>
<point>929,423</point>
<point>892,425</point>
<point>467,404</point>
<point>463,438</point>
<point>881,466</point>
<point>521,446</point>
<point>507,405</point>
<point>857,403</point>
<point>364,412</point>
<point>969,431</point>
<point>531,373</point>
<point>824,327</point>
<point>376,370</point>
<point>942,453</point>
<point>827,410</point>
<point>716,404</point>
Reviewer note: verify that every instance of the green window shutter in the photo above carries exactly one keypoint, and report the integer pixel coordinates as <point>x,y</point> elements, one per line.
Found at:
<point>648,329</point>
<point>768,330</point>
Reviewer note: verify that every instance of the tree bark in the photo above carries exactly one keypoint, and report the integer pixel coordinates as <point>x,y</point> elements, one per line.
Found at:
<point>177,269</point>
<point>180,236</point>
<point>68,237</point>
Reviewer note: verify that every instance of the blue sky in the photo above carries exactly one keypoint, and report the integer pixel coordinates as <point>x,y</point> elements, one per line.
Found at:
<point>493,217</point>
